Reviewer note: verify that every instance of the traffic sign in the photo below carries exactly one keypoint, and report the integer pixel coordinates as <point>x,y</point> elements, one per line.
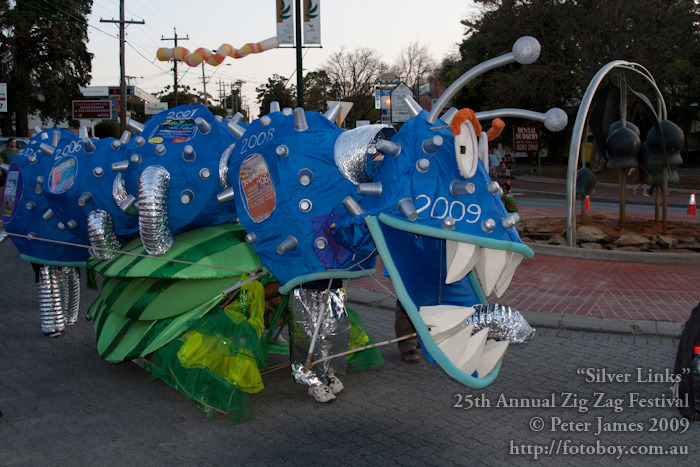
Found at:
<point>399,108</point>
<point>3,97</point>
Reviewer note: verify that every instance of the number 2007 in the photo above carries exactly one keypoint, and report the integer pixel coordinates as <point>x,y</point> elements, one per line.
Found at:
<point>442,208</point>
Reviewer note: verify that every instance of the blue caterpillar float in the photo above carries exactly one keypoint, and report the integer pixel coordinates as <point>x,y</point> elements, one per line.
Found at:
<point>290,193</point>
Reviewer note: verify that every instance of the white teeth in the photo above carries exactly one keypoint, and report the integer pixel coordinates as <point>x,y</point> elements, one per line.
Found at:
<point>484,150</point>
<point>460,258</point>
<point>489,268</point>
<point>492,356</point>
<point>454,346</point>
<point>466,150</point>
<point>508,273</point>
<point>471,356</point>
<point>442,318</point>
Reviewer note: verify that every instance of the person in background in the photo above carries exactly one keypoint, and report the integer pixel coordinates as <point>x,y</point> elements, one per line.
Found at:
<point>641,185</point>
<point>7,154</point>
<point>508,199</point>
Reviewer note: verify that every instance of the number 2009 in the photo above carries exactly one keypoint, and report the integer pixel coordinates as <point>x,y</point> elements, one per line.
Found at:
<point>442,208</point>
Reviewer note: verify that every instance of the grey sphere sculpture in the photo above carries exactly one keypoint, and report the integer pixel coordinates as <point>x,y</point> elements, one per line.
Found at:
<point>526,50</point>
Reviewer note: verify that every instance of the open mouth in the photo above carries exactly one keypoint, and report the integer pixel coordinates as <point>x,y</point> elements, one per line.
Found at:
<point>454,246</point>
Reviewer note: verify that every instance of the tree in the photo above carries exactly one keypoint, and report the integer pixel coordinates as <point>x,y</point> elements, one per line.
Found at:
<point>184,96</point>
<point>353,76</point>
<point>43,59</point>
<point>415,66</point>
<point>318,89</point>
<point>276,90</point>
<point>578,38</point>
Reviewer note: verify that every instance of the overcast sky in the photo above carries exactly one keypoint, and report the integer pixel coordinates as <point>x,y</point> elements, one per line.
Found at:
<point>387,26</point>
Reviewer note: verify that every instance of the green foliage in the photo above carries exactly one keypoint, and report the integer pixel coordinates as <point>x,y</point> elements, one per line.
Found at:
<point>218,110</point>
<point>107,128</point>
<point>43,59</point>
<point>577,39</point>
<point>276,90</point>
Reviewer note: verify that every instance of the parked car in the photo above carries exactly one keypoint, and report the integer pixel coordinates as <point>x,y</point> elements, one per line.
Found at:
<point>21,142</point>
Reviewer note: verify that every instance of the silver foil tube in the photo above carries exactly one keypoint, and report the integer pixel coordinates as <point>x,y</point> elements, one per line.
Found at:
<point>353,148</point>
<point>223,166</point>
<point>119,193</point>
<point>153,210</point>
<point>71,302</point>
<point>50,309</point>
<point>308,306</point>
<point>100,227</point>
<point>504,323</point>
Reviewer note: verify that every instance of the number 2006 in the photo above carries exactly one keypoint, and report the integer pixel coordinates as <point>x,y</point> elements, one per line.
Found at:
<point>442,208</point>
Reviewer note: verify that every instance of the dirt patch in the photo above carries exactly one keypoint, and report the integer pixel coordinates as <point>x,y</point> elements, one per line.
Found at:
<point>679,235</point>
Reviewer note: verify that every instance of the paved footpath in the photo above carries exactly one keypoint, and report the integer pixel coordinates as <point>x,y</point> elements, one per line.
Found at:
<point>62,405</point>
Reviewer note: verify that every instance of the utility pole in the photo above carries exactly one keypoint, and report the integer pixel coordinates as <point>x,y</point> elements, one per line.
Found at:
<point>175,61</point>
<point>204,84</point>
<point>122,62</point>
<point>300,70</point>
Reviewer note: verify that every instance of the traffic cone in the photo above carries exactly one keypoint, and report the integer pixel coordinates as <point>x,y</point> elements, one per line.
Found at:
<point>588,202</point>
<point>692,208</point>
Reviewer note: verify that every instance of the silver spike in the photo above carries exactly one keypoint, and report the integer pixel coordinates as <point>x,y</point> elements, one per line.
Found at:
<point>136,159</point>
<point>305,205</point>
<point>202,125</point>
<point>48,214</point>
<point>449,115</point>
<point>300,120</point>
<point>460,187</point>
<point>31,236</point>
<point>282,150</point>
<point>353,207</point>
<point>414,107</point>
<point>431,145</point>
<point>226,195</point>
<point>120,166</point>
<point>370,189</point>
<point>448,223</point>
<point>126,137</point>
<point>135,126</point>
<point>288,244</point>
<point>88,145</point>
<point>265,120</point>
<point>235,129</point>
<point>116,145</point>
<point>238,118</point>
<point>188,153</point>
<point>37,130</point>
<point>287,111</point>
<point>305,176</point>
<point>510,220</point>
<point>274,106</point>
<point>160,149</point>
<point>219,118</point>
<point>494,188</point>
<point>332,113</point>
<point>128,204</point>
<point>98,171</point>
<point>71,224</point>
<point>320,243</point>
<point>55,138</point>
<point>32,159</point>
<point>251,237</point>
<point>204,174</point>
<point>85,198</point>
<point>139,141</point>
<point>422,165</point>
<point>488,225</point>
<point>408,209</point>
<point>30,205</point>
<point>82,132</point>
<point>187,196</point>
<point>46,149</point>
<point>389,148</point>
<point>61,226</point>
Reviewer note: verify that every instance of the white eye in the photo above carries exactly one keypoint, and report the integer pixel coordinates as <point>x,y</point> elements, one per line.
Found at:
<point>467,150</point>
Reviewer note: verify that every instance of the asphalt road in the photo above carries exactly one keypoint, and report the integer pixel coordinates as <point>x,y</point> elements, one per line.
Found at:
<point>600,397</point>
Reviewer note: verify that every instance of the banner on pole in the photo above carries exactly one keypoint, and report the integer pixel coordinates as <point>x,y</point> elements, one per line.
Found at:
<point>312,22</point>
<point>285,21</point>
